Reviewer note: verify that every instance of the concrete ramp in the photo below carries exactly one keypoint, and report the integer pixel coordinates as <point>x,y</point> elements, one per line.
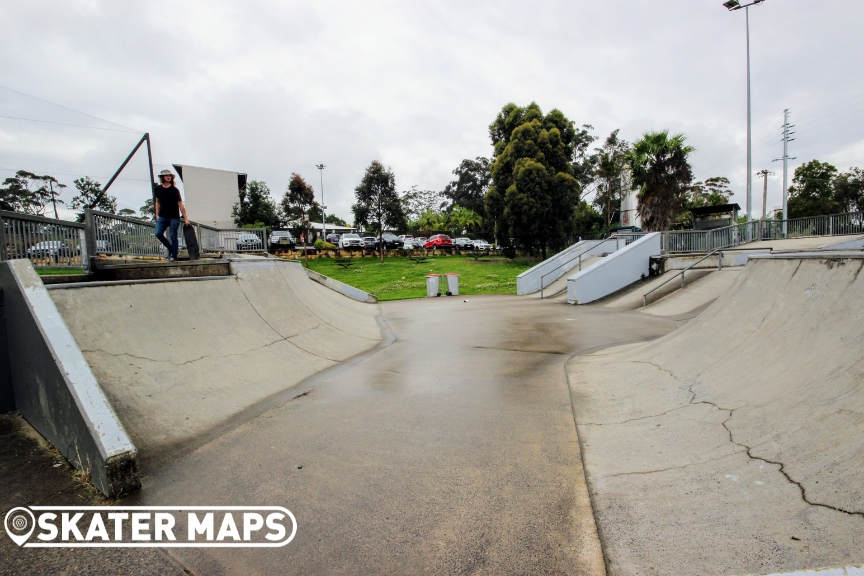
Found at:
<point>735,444</point>
<point>616,271</point>
<point>552,269</point>
<point>180,360</point>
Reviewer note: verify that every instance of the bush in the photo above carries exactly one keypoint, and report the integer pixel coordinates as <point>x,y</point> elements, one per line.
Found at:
<point>322,245</point>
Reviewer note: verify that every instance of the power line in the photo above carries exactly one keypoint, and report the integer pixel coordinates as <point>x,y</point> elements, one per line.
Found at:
<point>68,174</point>
<point>65,124</point>
<point>70,109</point>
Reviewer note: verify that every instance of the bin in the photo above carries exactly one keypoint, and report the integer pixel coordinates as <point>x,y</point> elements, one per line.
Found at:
<point>432,285</point>
<point>452,284</point>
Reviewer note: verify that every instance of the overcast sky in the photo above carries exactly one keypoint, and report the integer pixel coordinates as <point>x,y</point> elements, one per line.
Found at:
<point>274,87</point>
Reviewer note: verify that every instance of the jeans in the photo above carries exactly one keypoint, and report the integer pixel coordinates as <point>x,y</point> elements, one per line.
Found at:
<point>161,225</point>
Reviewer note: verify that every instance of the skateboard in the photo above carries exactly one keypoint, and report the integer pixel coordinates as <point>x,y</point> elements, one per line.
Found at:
<point>191,242</point>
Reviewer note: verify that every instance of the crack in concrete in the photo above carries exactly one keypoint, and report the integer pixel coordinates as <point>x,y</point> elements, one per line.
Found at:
<point>634,419</point>
<point>781,466</point>
<point>206,356</point>
<point>746,449</point>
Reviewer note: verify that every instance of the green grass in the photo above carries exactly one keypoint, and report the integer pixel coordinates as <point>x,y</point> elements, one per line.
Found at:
<point>59,271</point>
<point>399,278</point>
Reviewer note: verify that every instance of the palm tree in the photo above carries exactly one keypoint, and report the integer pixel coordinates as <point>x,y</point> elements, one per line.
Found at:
<point>662,175</point>
<point>462,219</point>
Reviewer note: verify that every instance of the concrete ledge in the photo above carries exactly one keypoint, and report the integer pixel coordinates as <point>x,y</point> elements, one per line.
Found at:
<point>131,282</point>
<point>342,288</point>
<point>54,388</point>
<point>821,255</point>
<point>159,270</point>
<point>614,272</point>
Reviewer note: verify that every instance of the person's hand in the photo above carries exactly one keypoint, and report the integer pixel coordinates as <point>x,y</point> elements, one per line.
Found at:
<point>186,221</point>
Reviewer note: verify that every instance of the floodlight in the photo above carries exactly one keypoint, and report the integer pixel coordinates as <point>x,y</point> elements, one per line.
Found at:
<point>731,4</point>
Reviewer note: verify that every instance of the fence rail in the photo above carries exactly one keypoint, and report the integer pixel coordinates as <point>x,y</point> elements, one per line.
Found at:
<point>48,243</point>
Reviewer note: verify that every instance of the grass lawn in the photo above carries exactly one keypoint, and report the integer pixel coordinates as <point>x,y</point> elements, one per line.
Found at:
<point>400,278</point>
<point>59,271</point>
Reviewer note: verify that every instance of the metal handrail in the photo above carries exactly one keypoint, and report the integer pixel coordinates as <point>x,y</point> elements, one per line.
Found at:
<point>570,260</point>
<point>720,267</point>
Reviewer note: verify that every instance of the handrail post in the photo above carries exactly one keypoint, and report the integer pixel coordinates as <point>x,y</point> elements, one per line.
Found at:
<point>3,256</point>
<point>90,237</point>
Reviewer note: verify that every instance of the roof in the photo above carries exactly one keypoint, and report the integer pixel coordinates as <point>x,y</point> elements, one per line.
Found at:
<point>705,210</point>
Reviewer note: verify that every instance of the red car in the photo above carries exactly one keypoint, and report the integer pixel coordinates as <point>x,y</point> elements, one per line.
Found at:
<point>438,241</point>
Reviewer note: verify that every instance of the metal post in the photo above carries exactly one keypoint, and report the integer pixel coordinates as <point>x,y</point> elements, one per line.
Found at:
<point>152,176</point>
<point>3,255</point>
<point>749,126</point>
<point>323,218</point>
<point>785,169</point>
<point>90,237</point>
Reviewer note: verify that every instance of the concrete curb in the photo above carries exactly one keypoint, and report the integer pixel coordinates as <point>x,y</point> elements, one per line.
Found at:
<point>342,288</point>
<point>54,387</point>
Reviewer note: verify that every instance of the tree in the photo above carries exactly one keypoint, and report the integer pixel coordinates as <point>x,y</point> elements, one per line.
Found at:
<point>430,221</point>
<point>147,211</point>
<point>588,223</point>
<point>463,219</point>
<point>472,182</point>
<point>296,202</point>
<point>315,216</point>
<point>255,206</point>
<point>378,204</point>
<point>128,212</point>
<point>713,192</point>
<point>812,190</point>
<point>613,174</point>
<point>90,195</point>
<point>662,175</point>
<point>28,193</point>
<point>417,202</point>
<point>539,170</point>
<point>849,190</point>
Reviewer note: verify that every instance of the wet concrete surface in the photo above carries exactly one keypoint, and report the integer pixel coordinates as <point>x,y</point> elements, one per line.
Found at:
<point>450,450</point>
<point>32,473</point>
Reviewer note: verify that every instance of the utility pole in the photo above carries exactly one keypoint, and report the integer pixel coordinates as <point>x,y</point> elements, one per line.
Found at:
<point>764,174</point>
<point>320,168</point>
<point>787,132</point>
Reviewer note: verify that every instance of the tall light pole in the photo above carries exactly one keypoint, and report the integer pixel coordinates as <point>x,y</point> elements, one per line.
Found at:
<point>736,5</point>
<point>320,168</point>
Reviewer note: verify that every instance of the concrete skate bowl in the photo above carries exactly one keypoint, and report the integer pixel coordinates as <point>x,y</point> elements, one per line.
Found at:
<point>736,443</point>
<point>182,361</point>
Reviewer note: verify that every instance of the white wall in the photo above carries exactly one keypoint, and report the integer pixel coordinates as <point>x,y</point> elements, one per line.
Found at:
<point>528,282</point>
<point>614,272</point>
<point>210,195</point>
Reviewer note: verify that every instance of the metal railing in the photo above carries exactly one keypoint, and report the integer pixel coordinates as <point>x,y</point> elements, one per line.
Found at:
<point>120,235</point>
<point>579,256</point>
<point>47,242</point>
<point>681,272</point>
<point>629,237</point>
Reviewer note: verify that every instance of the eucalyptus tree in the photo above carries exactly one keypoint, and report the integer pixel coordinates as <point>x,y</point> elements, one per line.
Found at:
<point>378,204</point>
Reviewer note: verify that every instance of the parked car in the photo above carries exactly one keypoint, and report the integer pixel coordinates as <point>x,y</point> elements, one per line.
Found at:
<point>391,241</point>
<point>463,243</point>
<point>248,241</point>
<point>419,242</point>
<point>281,239</point>
<point>50,249</point>
<point>350,241</point>
<point>406,239</point>
<point>334,239</point>
<point>370,243</point>
<point>438,241</point>
<point>482,245</point>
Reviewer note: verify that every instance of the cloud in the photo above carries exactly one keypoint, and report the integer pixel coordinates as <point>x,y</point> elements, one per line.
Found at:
<point>270,88</point>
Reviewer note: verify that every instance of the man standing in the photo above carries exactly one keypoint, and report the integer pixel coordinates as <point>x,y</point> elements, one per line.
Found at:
<point>168,207</point>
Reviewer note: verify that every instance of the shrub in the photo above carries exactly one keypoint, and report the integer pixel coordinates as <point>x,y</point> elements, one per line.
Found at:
<point>322,245</point>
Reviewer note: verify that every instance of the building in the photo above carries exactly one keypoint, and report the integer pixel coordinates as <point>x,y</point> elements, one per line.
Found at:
<point>629,213</point>
<point>710,217</point>
<point>210,194</point>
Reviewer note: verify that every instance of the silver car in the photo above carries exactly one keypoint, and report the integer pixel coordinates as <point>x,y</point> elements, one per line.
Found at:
<point>350,241</point>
